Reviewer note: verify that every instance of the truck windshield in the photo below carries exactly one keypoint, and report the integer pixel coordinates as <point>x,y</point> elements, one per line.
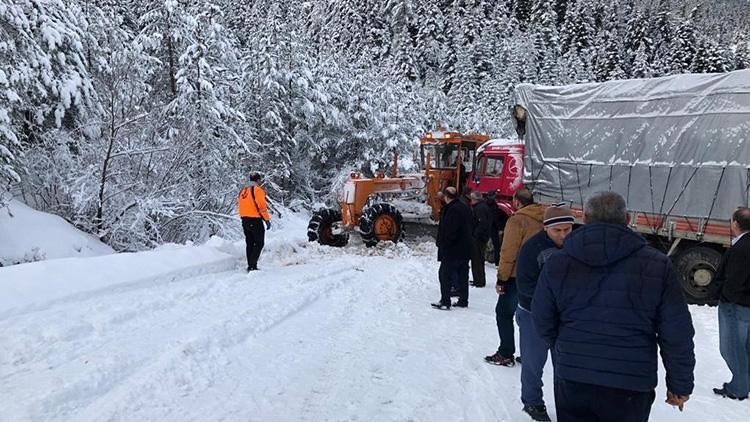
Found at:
<point>490,166</point>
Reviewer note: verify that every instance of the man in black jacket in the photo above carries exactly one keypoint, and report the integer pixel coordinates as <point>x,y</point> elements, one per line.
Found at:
<point>481,235</point>
<point>732,284</point>
<point>558,223</point>
<point>454,249</point>
<point>495,213</point>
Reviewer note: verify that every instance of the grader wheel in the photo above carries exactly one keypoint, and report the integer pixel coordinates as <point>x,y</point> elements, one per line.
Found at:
<point>321,225</point>
<point>381,222</point>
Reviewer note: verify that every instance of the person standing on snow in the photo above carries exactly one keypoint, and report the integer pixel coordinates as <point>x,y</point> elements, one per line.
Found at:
<point>454,249</point>
<point>607,304</point>
<point>495,226</point>
<point>732,288</point>
<point>526,222</point>
<point>254,213</point>
<point>558,223</point>
<point>480,236</point>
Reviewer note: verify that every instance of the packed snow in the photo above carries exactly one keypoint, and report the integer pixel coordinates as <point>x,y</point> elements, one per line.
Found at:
<point>27,235</point>
<point>318,334</point>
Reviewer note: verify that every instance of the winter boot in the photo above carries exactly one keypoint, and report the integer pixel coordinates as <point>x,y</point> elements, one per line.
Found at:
<point>500,360</point>
<point>441,306</point>
<point>723,392</point>
<point>537,413</point>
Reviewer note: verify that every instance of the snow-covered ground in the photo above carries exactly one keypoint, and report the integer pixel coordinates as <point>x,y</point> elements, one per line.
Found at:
<point>319,334</point>
<point>27,235</point>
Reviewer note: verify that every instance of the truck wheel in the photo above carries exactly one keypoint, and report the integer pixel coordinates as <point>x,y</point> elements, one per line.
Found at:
<point>381,222</point>
<point>698,266</point>
<point>321,225</point>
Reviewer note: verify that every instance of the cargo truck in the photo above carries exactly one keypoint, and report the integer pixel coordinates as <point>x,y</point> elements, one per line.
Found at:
<point>677,148</point>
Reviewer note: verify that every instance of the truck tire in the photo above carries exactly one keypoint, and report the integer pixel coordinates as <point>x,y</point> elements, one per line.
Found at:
<point>320,227</point>
<point>697,265</point>
<point>381,222</point>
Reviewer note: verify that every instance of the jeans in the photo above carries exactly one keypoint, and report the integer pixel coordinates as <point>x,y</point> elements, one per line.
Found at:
<point>734,344</point>
<point>534,351</point>
<point>450,272</point>
<point>477,262</point>
<point>255,235</point>
<point>504,311</point>
<point>578,402</point>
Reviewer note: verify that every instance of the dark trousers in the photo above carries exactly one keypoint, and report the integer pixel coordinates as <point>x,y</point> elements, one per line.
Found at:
<point>575,402</point>
<point>450,271</point>
<point>477,262</point>
<point>255,235</point>
<point>495,238</point>
<point>504,311</point>
<point>534,351</point>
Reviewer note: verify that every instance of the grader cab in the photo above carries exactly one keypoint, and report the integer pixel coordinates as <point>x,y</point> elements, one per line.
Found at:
<point>377,207</point>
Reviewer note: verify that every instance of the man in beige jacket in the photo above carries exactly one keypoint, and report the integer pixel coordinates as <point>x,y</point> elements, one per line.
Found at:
<point>526,222</point>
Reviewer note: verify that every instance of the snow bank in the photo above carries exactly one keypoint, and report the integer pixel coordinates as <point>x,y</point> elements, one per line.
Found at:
<point>27,235</point>
<point>38,285</point>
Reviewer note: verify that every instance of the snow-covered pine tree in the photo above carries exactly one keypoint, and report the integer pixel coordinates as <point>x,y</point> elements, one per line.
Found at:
<point>401,21</point>
<point>546,42</point>
<point>741,51</point>
<point>43,74</point>
<point>709,58</point>
<point>577,40</point>
<point>685,44</point>
<point>662,34</point>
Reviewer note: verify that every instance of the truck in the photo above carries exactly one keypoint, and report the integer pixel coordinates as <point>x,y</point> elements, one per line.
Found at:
<point>677,148</point>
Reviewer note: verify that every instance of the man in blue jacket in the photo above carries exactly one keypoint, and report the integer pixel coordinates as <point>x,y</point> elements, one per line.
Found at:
<point>558,223</point>
<point>603,304</point>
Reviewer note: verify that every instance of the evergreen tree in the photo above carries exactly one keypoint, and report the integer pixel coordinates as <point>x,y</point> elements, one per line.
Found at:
<point>683,53</point>
<point>662,34</point>
<point>43,74</point>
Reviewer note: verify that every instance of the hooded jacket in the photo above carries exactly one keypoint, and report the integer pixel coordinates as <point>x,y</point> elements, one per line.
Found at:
<point>603,304</point>
<point>525,223</point>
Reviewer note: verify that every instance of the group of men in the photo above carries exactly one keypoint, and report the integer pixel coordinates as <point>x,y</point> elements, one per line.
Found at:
<point>601,300</point>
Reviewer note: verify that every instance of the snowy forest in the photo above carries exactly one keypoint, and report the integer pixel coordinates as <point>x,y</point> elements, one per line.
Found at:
<point>138,121</point>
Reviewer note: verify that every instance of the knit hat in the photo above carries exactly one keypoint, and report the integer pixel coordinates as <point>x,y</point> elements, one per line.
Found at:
<point>558,214</point>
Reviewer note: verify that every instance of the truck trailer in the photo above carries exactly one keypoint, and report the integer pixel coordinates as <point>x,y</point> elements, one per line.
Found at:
<point>677,148</point>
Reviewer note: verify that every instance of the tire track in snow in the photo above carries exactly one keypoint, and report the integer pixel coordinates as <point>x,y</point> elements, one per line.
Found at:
<point>118,376</point>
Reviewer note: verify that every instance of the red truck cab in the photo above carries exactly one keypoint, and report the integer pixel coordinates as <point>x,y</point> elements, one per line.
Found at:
<point>498,167</point>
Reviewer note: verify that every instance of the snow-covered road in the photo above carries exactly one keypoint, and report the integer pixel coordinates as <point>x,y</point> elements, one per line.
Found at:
<point>318,334</point>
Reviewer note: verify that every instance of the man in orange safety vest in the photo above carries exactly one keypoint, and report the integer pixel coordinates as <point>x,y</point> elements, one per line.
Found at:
<point>254,213</point>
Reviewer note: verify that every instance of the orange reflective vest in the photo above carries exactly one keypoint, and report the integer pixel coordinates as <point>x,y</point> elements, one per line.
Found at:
<point>255,208</point>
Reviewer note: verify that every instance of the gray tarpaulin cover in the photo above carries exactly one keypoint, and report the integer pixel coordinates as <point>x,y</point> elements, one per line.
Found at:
<point>669,145</point>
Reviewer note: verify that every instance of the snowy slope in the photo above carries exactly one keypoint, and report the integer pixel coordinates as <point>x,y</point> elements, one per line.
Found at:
<point>28,235</point>
<point>319,334</point>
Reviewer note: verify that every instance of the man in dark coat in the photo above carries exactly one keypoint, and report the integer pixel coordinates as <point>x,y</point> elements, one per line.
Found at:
<point>605,303</point>
<point>495,226</point>
<point>481,235</point>
<point>558,223</point>
<point>732,286</point>
<point>454,249</point>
